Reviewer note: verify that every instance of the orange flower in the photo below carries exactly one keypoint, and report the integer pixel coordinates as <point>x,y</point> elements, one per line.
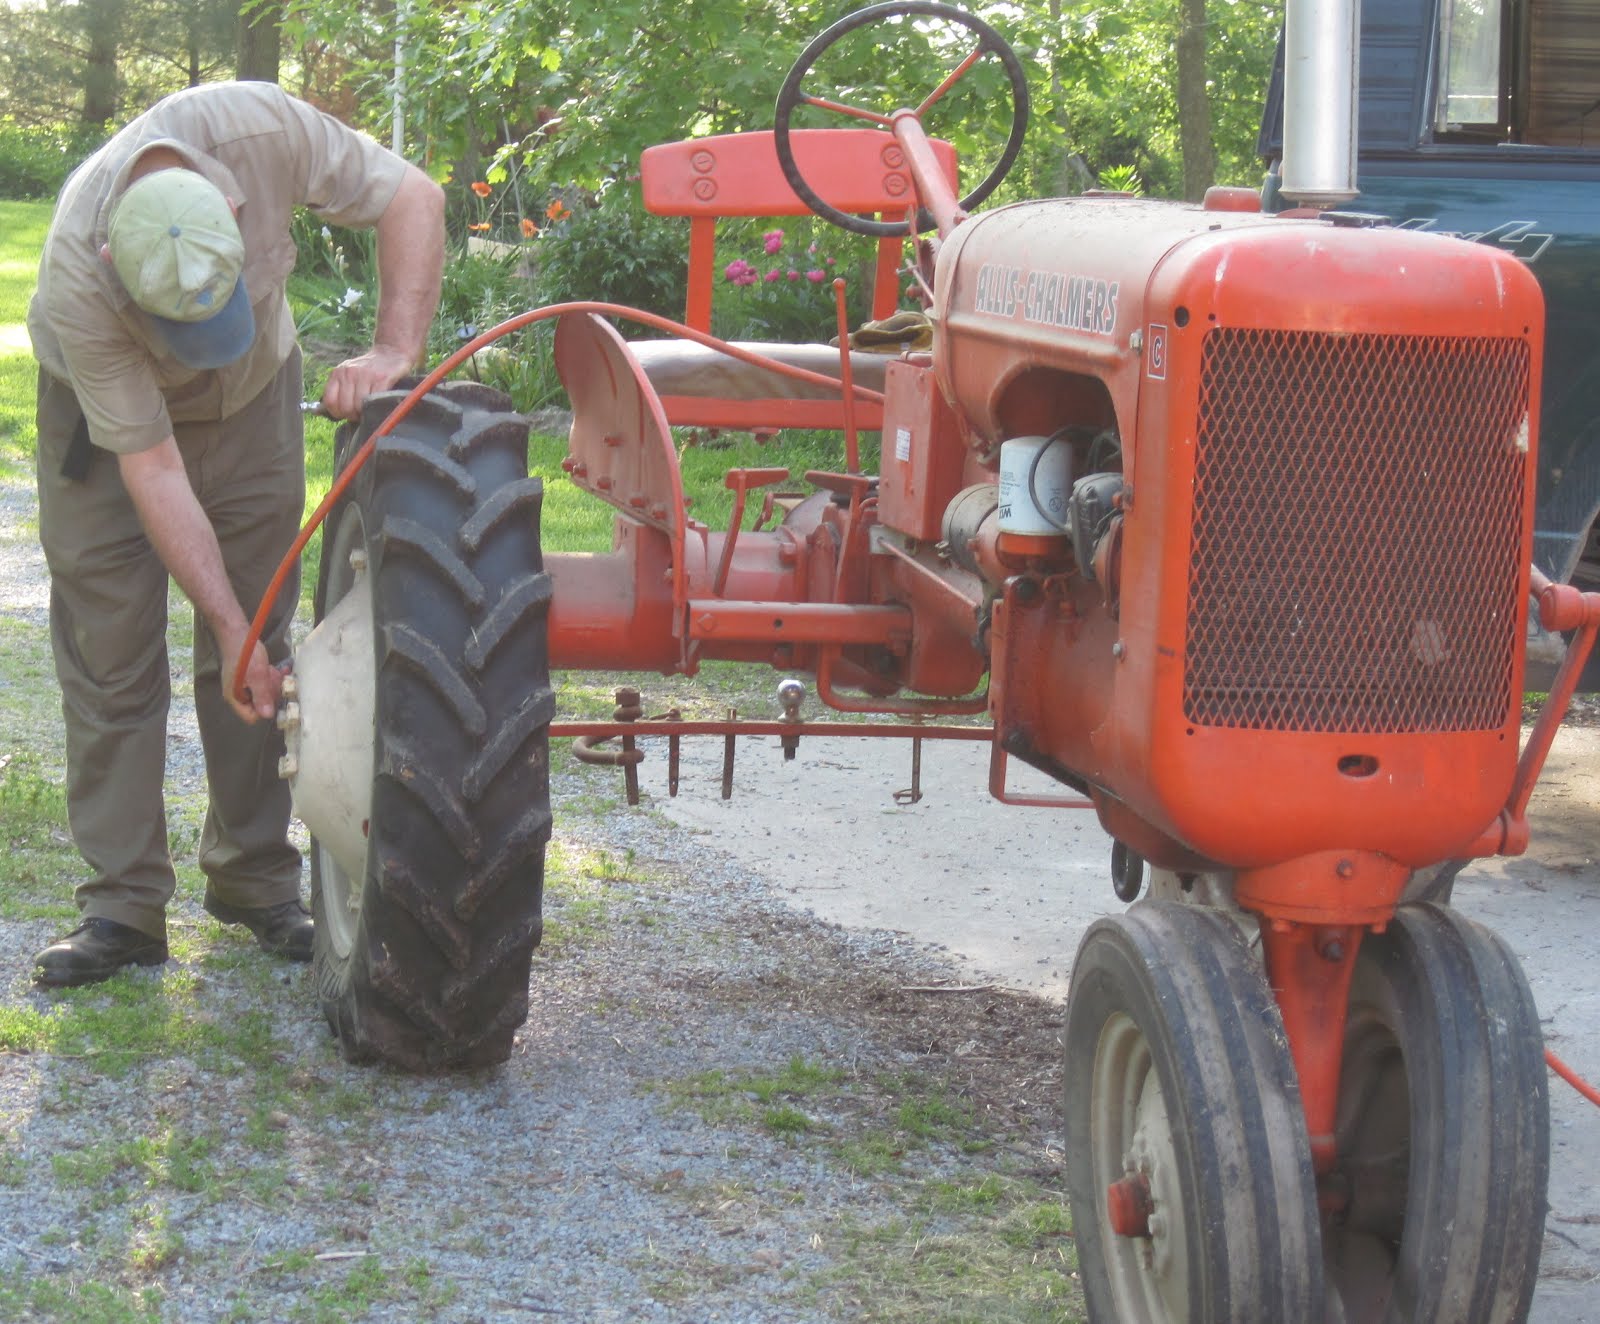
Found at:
<point>481,189</point>
<point>529,229</point>
<point>480,226</point>
<point>557,211</point>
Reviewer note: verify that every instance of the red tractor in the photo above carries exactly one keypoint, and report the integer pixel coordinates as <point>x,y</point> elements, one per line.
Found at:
<point>1224,521</point>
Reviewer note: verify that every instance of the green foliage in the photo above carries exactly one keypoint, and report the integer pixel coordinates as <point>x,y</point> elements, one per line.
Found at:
<point>609,248</point>
<point>101,62</point>
<point>1121,179</point>
<point>574,86</point>
<point>1111,99</point>
<point>35,160</point>
<point>555,95</point>
<point>335,283</point>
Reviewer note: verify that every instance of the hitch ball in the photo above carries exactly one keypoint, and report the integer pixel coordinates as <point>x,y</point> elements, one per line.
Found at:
<point>791,694</point>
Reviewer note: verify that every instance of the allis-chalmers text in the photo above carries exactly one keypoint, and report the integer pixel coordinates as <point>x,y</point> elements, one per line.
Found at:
<point>1050,298</point>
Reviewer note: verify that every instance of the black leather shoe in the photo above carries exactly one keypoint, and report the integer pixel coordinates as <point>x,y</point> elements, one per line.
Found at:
<point>93,951</point>
<point>284,929</point>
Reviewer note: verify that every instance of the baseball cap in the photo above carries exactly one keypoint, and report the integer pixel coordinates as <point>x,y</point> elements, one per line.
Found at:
<point>176,247</point>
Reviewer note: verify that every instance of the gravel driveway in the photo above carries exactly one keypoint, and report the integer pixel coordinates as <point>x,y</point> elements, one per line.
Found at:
<point>721,1107</point>
<point>718,1109</point>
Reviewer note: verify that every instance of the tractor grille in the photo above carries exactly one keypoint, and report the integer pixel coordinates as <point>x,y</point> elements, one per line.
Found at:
<point>1357,529</point>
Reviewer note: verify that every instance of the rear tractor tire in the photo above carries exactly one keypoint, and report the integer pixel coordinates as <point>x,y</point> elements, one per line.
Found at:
<point>422,956</point>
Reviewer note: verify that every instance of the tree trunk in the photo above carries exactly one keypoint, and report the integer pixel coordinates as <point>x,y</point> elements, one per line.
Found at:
<point>102,21</point>
<point>1072,175</point>
<point>1194,107</point>
<point>259,41</point>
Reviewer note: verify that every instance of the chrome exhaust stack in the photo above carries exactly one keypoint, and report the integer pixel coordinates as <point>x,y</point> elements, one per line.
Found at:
<point>1321,73</point>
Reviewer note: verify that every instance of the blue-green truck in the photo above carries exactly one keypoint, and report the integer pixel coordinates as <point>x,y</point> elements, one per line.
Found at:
<point>1482,118</point>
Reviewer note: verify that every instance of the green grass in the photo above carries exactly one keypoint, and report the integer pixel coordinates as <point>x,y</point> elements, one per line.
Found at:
<point>133,1019</point>
<point>45,1298</point>
<point>975,1243</point>
<point>36,855</point>
<point>1003,1264</point>
<point>585,891</point>
<point>171,1159</point>
<point>22,227</point>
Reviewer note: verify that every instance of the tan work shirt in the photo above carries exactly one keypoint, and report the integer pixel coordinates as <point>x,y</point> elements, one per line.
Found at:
<point>266,151</point>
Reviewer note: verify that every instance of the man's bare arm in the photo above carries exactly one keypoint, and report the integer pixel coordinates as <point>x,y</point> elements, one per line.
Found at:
<point>410,260</point>
<point>187,545</point>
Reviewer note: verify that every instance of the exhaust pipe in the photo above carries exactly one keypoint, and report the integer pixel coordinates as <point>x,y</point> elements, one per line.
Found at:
<point>1321,74</point>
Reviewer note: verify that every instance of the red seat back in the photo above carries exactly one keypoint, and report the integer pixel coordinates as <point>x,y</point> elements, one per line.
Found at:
<point>737,174</point>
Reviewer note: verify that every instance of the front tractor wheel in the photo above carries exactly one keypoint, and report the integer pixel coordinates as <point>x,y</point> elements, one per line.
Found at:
<point>428,870</point>
<point>1434,1212</point>
<point>1188,1165</point>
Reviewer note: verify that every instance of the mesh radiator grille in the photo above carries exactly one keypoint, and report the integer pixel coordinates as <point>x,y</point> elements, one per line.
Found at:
<point>1358,506</point>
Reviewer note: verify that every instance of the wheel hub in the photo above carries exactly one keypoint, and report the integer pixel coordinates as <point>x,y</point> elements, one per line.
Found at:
<point>1128,1205</point>
<point>1143,1209</point>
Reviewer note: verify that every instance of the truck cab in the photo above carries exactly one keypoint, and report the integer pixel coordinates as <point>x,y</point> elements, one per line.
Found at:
<point>1482,120</point>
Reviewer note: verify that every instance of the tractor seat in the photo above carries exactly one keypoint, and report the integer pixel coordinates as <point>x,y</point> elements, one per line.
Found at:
<point>683,368</point>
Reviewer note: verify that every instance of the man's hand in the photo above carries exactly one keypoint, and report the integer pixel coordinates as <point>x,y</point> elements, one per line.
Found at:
<point>184,540</point>
<point>355,379</point>
<point>263,682</point>
<point>410,257</point>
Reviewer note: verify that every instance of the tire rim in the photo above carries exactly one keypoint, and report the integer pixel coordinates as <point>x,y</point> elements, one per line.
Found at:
<point>341,895</point>
<point>1131,1133</point>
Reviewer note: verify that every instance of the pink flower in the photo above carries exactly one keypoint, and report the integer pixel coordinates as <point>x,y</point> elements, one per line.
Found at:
<point>794,275</point>
<point>772,241</point>
<point>828,260</point>
<point>816,277</point>
<point>774,275</point>
<point>736,269</point>
<point>811,249</point>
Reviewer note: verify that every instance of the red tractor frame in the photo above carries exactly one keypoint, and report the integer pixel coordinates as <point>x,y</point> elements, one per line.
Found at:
<point>1222,519</point>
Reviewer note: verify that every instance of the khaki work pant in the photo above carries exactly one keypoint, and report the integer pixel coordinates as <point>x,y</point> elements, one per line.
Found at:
<point>108,624</point>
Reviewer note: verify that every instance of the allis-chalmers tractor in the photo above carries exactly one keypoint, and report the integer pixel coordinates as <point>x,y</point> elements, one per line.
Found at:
<point>1224,521</point>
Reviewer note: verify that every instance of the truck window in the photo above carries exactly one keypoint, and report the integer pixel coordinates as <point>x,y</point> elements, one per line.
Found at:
<point>1514,72</point>
<point>1470,63</point>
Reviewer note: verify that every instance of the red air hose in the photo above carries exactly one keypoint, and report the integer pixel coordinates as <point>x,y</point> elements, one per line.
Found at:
<point>1572,1078</point>
<point>258,624</point>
